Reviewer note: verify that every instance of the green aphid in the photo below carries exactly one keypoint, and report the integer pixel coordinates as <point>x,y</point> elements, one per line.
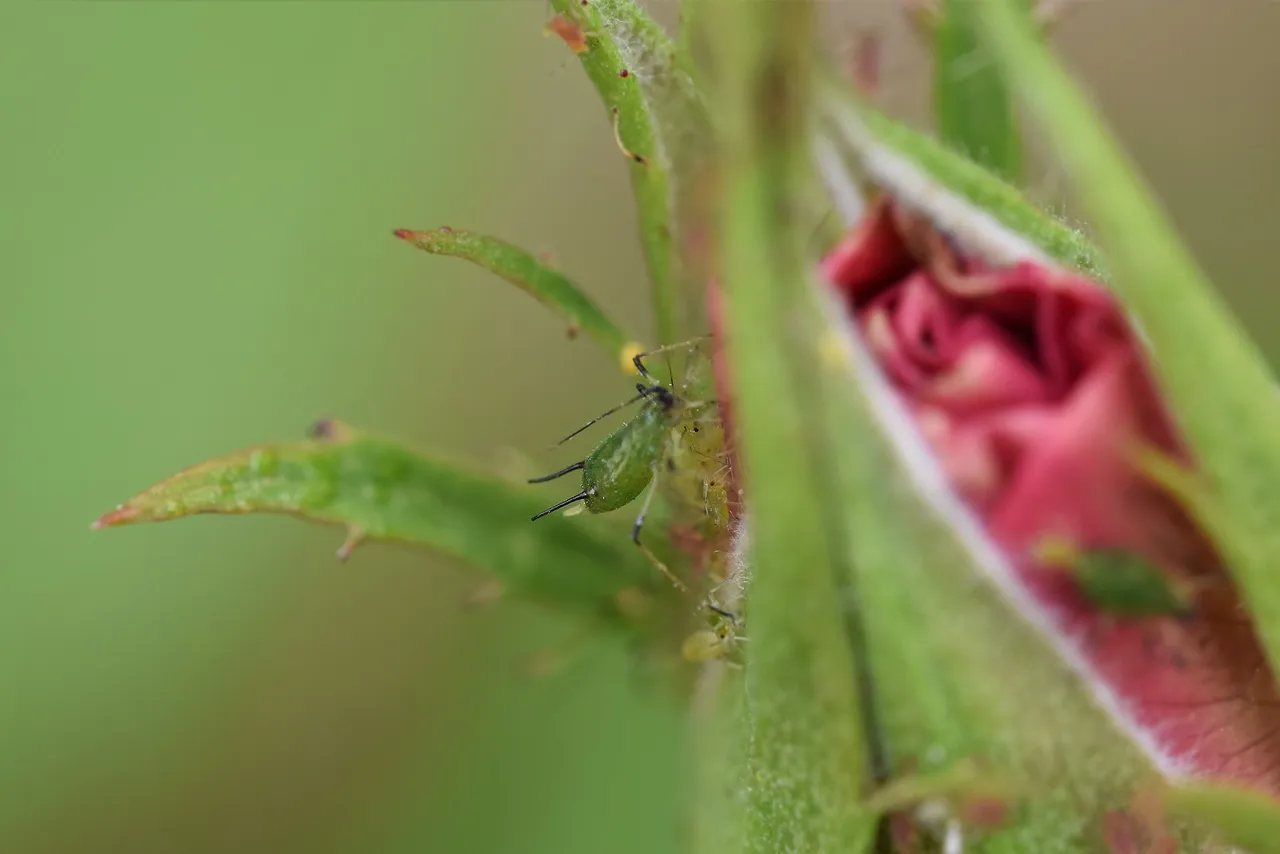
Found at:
<point>648,448</point>
<point>1119,582</point>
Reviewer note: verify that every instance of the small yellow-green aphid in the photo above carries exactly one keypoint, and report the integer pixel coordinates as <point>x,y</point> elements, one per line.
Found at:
<point>675,439</point>
<point>716,642</point>
<point>696,480</point>
<point>1118,582</point>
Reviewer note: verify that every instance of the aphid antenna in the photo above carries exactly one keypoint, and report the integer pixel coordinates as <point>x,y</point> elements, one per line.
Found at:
<point>643,392</point>
<point>581,496</point>
<point>722,612</point>
<point>638,358</point>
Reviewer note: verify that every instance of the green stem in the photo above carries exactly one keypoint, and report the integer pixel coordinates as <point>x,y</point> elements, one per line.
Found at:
<point>621,37</point>
<point>808,766</point>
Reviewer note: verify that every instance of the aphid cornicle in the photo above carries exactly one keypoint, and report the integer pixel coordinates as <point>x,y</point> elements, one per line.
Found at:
<point>665,442</point>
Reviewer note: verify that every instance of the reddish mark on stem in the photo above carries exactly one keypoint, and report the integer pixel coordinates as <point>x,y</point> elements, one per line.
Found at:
<point>624,73</point>
<point>569,32</point>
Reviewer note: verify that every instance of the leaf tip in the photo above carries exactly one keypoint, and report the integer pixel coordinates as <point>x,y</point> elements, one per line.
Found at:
<point>427,239</point>
<point>122,515</point>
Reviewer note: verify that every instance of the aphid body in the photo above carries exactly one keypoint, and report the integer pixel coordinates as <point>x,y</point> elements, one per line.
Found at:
<point>675,440</point>
<point>1125,584</point>
<point>1118,582</point>
<point>621,466</point>
<point>697,463</point>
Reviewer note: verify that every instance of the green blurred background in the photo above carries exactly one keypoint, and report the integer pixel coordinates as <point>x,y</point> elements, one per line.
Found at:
<point>196,215</point>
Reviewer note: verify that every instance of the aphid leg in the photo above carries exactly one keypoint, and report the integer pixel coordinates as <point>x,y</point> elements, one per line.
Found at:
<point>711,606</point>
<point>635,535</point>
<point>638,358</point>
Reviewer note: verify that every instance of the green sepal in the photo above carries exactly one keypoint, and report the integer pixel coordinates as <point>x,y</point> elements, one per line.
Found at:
<point>952,190</point>
<point>1220,390</point>
<point>807,767</point>
<point>973,107</point>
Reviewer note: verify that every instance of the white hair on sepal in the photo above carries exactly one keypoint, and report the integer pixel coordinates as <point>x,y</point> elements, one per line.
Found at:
<point>849,200</point>
<point>738,578</point>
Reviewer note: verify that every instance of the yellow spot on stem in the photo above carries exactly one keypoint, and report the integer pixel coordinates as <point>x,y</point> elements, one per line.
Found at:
<point>627,357</point>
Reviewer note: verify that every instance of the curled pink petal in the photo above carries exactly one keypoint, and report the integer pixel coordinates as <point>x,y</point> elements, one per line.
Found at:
<point>1030,386</point>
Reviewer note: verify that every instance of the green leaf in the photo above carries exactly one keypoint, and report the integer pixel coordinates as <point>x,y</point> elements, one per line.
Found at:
<point>660,118</point>
<point>957,193</point>
<point>972,104</point>
<point>807,767</point>
<point>377,489</point>
<point>1245,819</point>
<point>536,278</point>
<point>1215,378</point>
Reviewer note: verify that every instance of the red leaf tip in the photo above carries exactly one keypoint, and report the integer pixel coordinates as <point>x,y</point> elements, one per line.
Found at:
<point>403,233</point>
<point>120,516</point>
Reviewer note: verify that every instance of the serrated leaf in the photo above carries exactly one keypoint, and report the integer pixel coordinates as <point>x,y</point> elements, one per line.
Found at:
<point>660,119</point>
<point>1220,388</point>
<point>536,278</point>
<point>972,105</point>
<point>379,490</point>
<point>807,769</point>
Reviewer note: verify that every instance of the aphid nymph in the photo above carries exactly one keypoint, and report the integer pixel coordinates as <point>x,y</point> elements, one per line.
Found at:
<point>630,458</point>
<point>622,465</point>
<point>1119,582</point>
